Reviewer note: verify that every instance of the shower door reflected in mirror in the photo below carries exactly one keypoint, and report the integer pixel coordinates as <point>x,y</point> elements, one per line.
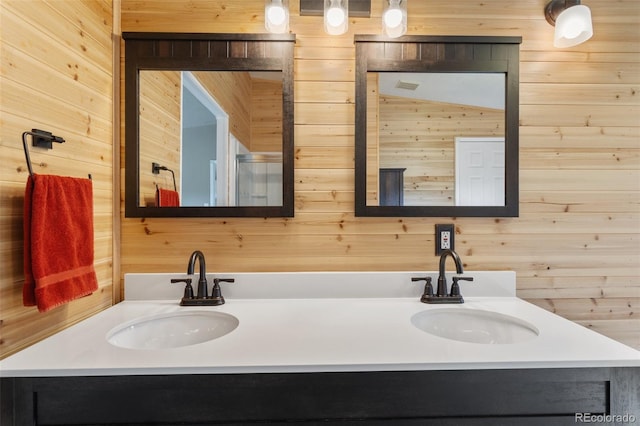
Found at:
<point>445,130</point>
<point>259,179</point>
<point>202,125</point>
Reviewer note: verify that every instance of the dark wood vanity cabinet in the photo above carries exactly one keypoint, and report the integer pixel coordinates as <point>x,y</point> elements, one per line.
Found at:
<point>461,397</point>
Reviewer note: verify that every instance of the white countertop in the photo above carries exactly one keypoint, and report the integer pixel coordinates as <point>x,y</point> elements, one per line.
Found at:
<point>318,333</point>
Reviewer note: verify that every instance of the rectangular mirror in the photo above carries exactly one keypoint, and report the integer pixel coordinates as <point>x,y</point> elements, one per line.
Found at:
<point>209,125</point>
<point>218,132</point>
<point>437,126</point>
<point>436,138</point>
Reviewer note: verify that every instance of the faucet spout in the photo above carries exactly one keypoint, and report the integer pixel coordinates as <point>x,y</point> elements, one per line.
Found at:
<point>442,281</point>
<point>202,298</point>
<point>456,259</point>
<point>442,296</point>
<point>202,281</point>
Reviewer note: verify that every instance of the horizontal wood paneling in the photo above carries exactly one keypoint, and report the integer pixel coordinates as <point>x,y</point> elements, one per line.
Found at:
<point>576,239</point>
<point>58,77</point>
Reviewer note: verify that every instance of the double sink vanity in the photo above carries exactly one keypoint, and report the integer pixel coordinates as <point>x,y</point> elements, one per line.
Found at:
<point>325,347</point>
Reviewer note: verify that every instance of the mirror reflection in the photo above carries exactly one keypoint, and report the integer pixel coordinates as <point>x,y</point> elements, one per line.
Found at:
<point>435,139</point>
<point>437,126</point>
<point>210,138</point>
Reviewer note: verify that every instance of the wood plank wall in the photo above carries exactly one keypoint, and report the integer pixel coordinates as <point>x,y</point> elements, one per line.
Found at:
<point>575,246</point>
<point>232,90</point>
<point>56,75</point>
<point>160,130</point>
<point>266,115</point>
<point>373,137</point>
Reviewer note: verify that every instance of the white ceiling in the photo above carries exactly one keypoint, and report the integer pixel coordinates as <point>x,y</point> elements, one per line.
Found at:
<point>477,89</point>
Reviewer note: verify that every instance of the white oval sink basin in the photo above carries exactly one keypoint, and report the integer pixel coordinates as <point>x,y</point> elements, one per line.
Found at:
<point>173,330</point>
<point>474,326</point>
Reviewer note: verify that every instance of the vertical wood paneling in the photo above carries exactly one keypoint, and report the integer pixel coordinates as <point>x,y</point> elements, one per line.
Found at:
<point>575,246</point>
<point>56,77</point>
<point>373,139</point>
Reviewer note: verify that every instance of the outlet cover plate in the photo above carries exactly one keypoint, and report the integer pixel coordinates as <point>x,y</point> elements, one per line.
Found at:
<point>442,231</point>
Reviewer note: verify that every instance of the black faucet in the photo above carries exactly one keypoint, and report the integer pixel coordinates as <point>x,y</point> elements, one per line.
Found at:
<point>202,281</point>
<point>441,295</point>
<point>201,298</point>
<point>442,280</point>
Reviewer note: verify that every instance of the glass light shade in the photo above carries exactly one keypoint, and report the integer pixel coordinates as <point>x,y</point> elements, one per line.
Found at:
<point>394,18</point>
<point>276,16</point>
<point>573,26</point>
<point>336,16</point>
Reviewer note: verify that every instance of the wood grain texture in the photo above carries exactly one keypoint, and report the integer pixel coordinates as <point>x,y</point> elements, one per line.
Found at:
<point>56,77</point>
<point>233,93</point>
<point>266,115</point>
<point>577,237</point>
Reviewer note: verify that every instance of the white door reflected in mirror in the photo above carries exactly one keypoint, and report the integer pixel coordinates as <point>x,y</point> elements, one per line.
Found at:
<point>480,171</point>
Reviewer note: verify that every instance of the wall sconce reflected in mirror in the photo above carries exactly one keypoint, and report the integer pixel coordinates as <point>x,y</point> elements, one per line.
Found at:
<point>336,14</point>
<point>394,18</point>
<point>572,21</point>
<point>276,16</point>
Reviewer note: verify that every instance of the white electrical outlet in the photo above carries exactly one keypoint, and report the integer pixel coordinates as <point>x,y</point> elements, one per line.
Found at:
<point>445,240</point>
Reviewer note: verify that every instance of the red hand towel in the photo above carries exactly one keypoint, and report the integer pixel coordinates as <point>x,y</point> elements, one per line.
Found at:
<point>58,241</point>
<point>167,198</point>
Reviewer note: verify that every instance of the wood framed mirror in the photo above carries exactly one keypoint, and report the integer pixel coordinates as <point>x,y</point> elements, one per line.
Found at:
<point>437,126</point>
<point>208,125</point>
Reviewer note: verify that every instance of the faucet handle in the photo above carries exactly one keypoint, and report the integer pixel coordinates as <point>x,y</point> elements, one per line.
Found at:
<point>216,292</point>
<point>188,290</point>
<point>428,288</point>
<point>455,288</point>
